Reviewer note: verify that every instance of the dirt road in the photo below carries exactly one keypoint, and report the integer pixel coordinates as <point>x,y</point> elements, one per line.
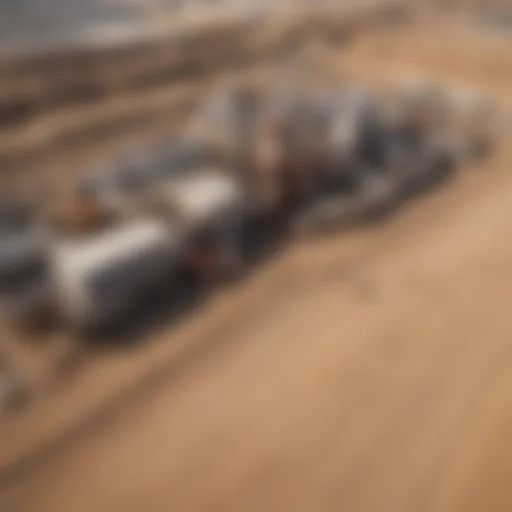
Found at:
<point>379,381</point>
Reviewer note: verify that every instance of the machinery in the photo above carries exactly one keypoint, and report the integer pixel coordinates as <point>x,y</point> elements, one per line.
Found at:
<point>93,278</point>
<point>99,278</point>
<point>253,156</point>
<point>22,258</point>
<point>208,207</point>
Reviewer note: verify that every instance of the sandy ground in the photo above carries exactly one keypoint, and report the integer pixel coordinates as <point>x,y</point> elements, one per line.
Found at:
<point>379,384</point>
<point>375,376</point>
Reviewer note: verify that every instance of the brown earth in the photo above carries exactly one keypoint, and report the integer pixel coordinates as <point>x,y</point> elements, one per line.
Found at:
<point>69,104</point>
<point>366,372</point>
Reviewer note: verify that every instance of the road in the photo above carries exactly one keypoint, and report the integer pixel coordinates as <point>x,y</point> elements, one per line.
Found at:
<point>379,377</point>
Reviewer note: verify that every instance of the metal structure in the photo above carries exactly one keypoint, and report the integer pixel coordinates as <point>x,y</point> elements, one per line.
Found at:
<point>253,155</point>
<point>100,278</point>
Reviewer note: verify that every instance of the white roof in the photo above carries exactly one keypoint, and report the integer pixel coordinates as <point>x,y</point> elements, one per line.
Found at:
<point>79,256</point>
<point>202,193</point>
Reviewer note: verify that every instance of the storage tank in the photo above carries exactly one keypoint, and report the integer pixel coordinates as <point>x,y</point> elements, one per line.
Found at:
<point>101,277</point>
